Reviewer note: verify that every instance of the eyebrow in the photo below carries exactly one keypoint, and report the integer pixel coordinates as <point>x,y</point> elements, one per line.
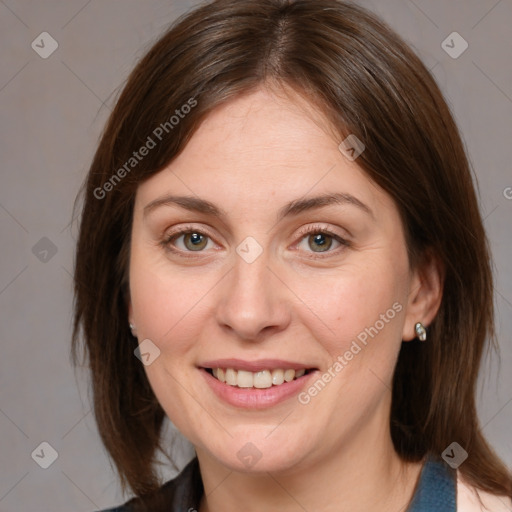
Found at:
<point>196,204</point>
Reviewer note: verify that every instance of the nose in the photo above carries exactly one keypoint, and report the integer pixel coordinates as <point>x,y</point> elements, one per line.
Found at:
<point>253,303</point>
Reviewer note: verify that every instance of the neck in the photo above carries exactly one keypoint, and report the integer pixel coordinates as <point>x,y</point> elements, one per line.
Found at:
<point>363,475</point>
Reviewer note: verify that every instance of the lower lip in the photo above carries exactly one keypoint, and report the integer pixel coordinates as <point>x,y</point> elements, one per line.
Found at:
<point>254,398</point>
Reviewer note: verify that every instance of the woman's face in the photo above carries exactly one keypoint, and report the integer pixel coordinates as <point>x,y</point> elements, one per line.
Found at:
<point>268,281</point>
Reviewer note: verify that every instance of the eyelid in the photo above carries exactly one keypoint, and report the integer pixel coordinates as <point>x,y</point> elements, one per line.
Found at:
<point>188,228</point>
<point>320,228</point>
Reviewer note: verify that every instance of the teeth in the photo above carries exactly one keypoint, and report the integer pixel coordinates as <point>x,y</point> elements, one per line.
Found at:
<point>289,375</point>
<point>277,377</point>
<point>260,380</point>
<point>245,379</point>
<point>231,377</point>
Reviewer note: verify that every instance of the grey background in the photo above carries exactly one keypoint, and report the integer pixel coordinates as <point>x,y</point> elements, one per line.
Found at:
<point>52,112</point>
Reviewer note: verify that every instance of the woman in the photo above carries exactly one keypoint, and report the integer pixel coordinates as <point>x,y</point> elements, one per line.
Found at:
<point>281,251</point>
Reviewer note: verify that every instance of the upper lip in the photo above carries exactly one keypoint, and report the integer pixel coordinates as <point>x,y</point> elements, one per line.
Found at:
<point>255,366</point>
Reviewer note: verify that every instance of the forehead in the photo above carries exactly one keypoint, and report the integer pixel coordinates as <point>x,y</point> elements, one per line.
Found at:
<point>265,130</point>
<point>266,150</point>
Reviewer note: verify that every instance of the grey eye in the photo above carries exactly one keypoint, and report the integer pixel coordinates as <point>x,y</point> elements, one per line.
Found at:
<point>320,242</point>
<point>195,241</point>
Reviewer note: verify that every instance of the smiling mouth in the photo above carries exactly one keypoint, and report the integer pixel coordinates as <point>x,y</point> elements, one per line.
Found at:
<point>263,379</point>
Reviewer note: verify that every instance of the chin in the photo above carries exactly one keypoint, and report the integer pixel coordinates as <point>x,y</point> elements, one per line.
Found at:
<point>261,453</point>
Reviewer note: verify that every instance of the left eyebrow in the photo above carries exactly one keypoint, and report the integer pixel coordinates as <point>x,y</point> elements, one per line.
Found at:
<point>313,203</point>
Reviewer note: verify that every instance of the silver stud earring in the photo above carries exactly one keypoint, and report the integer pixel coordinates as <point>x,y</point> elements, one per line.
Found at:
<point>132,328</point>
<point>421,332</point>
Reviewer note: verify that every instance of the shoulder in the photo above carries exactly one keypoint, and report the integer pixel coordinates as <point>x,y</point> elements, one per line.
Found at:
<point>470,499</point>
<point>177,495</point>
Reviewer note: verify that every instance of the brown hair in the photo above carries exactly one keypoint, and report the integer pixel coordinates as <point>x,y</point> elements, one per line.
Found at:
<point>367,82</point>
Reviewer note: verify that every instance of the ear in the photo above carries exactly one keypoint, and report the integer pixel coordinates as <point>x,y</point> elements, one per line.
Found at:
<point>425,294</point>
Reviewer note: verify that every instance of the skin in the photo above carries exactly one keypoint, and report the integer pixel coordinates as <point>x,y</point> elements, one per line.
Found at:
<point>294,302</point>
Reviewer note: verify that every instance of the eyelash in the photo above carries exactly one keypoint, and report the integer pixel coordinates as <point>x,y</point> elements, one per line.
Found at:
<point>313,229</point>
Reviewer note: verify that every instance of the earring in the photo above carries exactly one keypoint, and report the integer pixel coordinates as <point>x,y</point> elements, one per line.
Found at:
<point>421,332</point>
<point>132,328</point>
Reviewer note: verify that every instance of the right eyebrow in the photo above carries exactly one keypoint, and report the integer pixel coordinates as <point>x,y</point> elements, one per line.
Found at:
<point>194,204</point>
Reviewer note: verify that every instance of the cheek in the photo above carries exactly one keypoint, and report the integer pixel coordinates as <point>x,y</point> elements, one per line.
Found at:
<point>358,322</point>
<point>165,302</point>
<point>353,303</point>
<point>166,308</point>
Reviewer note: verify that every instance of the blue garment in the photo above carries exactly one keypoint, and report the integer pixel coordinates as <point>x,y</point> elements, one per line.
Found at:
<point>436,491</point>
